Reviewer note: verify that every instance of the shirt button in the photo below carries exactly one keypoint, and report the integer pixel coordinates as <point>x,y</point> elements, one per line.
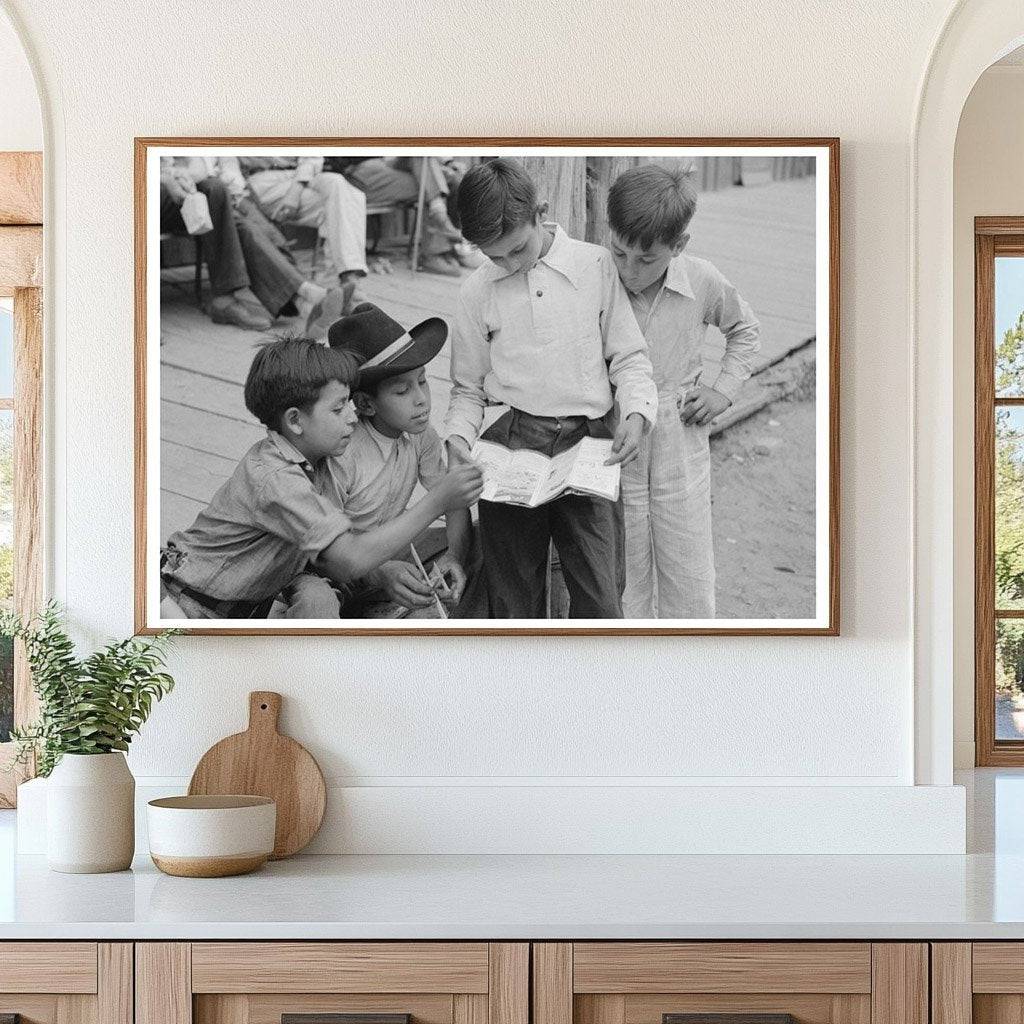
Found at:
<point>539,293</point>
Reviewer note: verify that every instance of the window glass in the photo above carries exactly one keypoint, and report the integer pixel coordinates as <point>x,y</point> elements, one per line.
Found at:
<point>1009,327</point>
<point>1009,679</point>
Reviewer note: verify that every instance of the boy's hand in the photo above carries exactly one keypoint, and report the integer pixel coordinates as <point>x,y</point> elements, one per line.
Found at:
<point>403,583</point>
<point>459,487</point>
<point>626,443</point>
<point>702,404</point>
<point>449,567</point>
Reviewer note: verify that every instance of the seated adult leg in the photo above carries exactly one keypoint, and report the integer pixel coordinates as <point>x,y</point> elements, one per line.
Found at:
<point>338,209</point>
<point>274,278</point>
<point>222,246</point>
<point>397,181</point>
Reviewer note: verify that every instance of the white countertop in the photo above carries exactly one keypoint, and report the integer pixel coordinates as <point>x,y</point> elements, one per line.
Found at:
<point>977,896</point>
<point>532,897</point>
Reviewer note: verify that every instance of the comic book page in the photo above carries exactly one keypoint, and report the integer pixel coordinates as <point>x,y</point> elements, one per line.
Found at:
<point>589,474</point>
<point>531,479</point>
<point>515,478</point>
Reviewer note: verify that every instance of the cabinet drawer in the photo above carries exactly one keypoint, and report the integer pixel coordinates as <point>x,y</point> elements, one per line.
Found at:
<point>306,982</point>
<point>646,967</point>
<point>340,967</point>
<point>749,982</point>
<point>66,982</point>
<point>69,967</point>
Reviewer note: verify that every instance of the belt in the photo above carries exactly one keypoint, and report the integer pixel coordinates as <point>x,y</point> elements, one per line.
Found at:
<point>222,608</point>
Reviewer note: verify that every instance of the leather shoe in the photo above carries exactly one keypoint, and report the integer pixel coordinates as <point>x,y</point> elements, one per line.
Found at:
<point>238,313</point>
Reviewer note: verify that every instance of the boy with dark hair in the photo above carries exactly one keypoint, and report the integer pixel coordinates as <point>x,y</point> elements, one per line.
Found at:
<point>394,448</point>
<point>666,492</point>
<point>271,519</point>
<point>545,328</point>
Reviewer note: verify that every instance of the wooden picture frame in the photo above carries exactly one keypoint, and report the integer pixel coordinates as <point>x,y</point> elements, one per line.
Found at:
<point>21,278</point>
<point>993,237</point>
<point>825,151</point>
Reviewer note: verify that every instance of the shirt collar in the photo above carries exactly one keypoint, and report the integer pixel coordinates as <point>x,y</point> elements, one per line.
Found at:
<point>677,279</point>
<point>287,450</point>
<point>384,444</point>
<point>561,256</point>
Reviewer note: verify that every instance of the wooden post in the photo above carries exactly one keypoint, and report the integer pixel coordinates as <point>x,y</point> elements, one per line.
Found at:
<point>561,183</point>
<point>603,171</point>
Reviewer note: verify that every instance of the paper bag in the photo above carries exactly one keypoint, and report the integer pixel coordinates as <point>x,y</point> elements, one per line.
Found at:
<point>195,212</point>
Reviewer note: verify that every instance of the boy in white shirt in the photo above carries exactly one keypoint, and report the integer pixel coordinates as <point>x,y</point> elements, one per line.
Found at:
<point>666,491</point>
<point>544,327</point>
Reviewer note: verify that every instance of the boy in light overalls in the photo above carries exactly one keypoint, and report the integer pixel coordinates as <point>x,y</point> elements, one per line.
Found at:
<point>666,491</point>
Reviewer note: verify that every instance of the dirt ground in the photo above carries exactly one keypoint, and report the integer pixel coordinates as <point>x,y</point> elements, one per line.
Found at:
<point>762,487</point>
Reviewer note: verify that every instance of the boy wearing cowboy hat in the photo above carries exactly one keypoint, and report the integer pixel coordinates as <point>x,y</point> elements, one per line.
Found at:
<point>394,447</point>
<point>273,529</point>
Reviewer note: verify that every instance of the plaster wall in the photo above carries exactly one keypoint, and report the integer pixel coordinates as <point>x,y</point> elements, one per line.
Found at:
<point>421,723</point>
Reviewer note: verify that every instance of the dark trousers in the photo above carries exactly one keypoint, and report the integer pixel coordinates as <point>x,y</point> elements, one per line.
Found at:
<point>273,275</point>
<point>587,532</point>
<point>222,247</point>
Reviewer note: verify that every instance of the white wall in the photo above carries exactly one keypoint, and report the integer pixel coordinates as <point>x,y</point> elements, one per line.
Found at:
<point>21,124</point>
<point>444,713</point>
<point>988,181</point>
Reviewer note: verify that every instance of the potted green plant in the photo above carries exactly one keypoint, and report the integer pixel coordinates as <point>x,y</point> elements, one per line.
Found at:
<point>89,709</point>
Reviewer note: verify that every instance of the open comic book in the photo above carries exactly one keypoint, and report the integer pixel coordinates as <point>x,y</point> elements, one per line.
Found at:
<point>531,479</point>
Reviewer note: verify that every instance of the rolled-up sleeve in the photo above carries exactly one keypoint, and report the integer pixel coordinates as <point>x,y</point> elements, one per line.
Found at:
<point>471,363</point>
<point>625,351</point>
<point>287,506</point>
<point>730,313</point>
<point>308,168</point>
<point>430,459</point>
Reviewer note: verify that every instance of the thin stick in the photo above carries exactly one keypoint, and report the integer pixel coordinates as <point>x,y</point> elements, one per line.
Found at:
<point>426,579</point>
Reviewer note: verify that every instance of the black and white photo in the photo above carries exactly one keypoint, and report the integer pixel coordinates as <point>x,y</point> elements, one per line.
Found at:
<point>418,387</point>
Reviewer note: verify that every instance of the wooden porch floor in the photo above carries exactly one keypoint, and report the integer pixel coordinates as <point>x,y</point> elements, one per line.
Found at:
<point>761,238</point>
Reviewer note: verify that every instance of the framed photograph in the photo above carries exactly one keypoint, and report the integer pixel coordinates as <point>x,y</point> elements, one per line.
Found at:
<point>487,386</point>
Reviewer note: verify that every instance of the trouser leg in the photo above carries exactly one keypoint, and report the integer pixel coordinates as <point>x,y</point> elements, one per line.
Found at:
<point>311,597</point>
<point>397,181</point>
<point>638,597</point>
<point>588,540</point>
<point>680,508</point>
<point>514,543</point>
<point>170,213</point>
<point>338,208</point>
<point>274,278</point>
<point>222,247</point>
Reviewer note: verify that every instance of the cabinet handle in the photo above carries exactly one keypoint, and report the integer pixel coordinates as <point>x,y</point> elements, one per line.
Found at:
<point>336,1018</point>
<point>728,1018</point>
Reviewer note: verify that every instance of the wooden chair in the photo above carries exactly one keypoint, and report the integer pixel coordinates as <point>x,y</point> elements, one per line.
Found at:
<point>167,240</point>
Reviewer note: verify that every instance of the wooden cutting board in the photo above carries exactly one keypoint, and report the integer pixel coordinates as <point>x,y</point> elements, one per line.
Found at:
<point>262,762</point>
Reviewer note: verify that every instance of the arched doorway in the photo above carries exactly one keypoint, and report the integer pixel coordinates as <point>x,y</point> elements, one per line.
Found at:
<point>975,35</point>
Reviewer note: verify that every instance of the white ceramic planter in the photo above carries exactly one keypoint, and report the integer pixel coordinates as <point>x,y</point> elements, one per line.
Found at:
<point>90,814</point>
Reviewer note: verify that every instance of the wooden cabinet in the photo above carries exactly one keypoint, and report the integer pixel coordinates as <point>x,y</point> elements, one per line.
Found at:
<point>66,982</point>
<point>648,982</point>
<point>263,982</point>
<point>979,982</point>
<point>494,983</point>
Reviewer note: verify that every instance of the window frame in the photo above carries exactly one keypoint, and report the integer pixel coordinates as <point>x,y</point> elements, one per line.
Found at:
<point>21,252</point>
<point>993,237</point>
